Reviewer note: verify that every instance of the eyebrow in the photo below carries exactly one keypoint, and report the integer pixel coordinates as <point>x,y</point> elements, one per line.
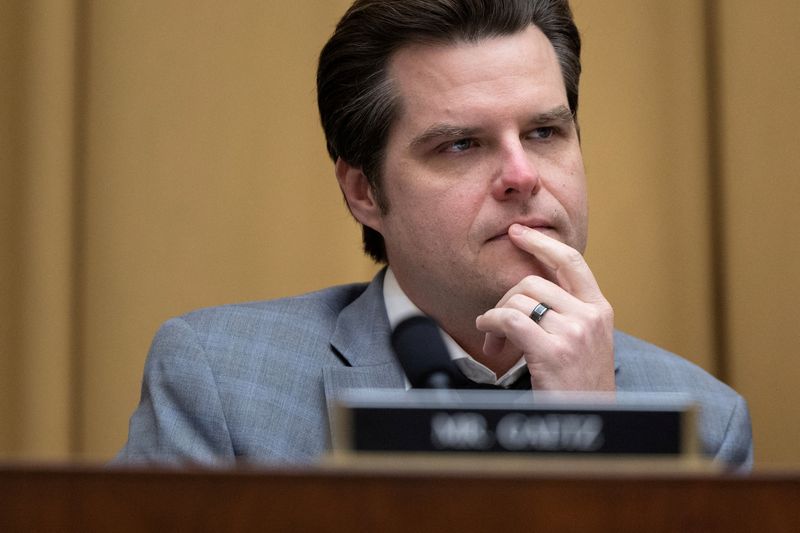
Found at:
<point>449,131</point>
<point>557,114</point>
<point>437,131</point>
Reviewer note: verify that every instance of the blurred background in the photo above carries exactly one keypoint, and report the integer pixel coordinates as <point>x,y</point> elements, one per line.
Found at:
<point>162,155</point>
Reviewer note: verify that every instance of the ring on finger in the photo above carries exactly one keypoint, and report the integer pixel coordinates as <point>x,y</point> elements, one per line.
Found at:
<point>539,312</point>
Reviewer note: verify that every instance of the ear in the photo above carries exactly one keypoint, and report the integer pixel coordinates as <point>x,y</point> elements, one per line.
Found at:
<point>359,194</point>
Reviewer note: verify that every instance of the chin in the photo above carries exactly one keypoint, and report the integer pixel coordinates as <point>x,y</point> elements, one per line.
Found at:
<point>508,268</point>
<point>518,270</point>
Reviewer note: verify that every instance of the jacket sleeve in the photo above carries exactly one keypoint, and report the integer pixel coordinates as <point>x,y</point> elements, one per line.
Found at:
<point>179,419</point>
<point>736,449</point>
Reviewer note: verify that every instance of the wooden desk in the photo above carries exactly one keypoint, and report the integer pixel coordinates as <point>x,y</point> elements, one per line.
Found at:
<point>97,499</point>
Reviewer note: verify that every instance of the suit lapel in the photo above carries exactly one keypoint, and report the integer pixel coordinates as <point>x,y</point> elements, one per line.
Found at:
<point>362,333</point>
<point>362,338</point>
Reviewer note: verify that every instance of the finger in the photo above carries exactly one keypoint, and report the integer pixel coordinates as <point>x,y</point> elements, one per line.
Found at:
<point>510,325</point>
<point>572,272</point>
<point>494,344</point>
<point>535,289</point>
<point>551,320</point>
<point>527,306</point>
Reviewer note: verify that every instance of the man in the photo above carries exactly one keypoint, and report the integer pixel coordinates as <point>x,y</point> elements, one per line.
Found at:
<point>452,125</point>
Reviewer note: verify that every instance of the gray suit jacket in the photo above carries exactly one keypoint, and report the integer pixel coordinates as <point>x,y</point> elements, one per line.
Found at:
<point>256,381</point>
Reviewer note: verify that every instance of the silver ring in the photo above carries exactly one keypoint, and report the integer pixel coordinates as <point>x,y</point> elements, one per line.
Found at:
<point>539,311</point>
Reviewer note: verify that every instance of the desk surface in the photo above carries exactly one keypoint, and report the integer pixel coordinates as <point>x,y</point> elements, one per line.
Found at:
<point>324,499</point>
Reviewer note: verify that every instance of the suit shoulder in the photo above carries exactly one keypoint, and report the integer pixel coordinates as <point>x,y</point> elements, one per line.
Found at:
<point>322,307</point>
<point>725,430</point>
<point>263,328</point>
<point>646,367</point>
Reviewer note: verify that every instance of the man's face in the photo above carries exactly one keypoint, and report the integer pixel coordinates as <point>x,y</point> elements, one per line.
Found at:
<point>483,139</point>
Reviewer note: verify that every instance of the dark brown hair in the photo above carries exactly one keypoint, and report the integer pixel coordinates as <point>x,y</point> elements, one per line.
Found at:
<point>357,101</point>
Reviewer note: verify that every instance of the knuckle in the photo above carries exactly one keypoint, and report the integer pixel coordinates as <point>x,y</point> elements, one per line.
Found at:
<point>575,330</point>
<point>600,315</point>
<point>519,321</point>
<point>531,283</point>
<point>595,315</point>
<point>574,257</point>
<point>518,301</point>
<point>604,314</point>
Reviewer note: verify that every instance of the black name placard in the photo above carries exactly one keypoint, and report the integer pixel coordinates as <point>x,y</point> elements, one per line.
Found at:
<point>520,422</point>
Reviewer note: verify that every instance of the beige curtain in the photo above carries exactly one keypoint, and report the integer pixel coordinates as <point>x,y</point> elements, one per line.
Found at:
<point>158,156</point>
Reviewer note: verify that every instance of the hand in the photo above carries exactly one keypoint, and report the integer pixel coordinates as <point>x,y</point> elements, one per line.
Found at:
<point>572,347</point>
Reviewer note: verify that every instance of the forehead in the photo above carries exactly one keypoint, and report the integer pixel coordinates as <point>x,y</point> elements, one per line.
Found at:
<point>472,77</point>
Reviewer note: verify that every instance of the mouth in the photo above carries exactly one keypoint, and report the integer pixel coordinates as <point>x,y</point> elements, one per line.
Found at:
<point>542,227</point>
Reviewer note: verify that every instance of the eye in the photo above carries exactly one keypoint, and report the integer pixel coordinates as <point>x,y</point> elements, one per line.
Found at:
<point>460,145</point>
<point>545,132</point>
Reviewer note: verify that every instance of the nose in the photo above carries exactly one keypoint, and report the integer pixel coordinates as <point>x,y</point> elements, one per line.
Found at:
<point>517,175</point>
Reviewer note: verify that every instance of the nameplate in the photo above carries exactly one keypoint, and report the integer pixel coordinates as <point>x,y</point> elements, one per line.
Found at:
<point>518,422</point>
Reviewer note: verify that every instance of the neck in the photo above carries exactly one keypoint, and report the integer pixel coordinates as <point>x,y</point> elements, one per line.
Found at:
<point>461,327</point>
<point>456,316</point>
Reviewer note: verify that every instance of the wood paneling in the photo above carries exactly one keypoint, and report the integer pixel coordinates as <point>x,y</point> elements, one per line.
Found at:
<point>760,89</point>
<point>644,138</point>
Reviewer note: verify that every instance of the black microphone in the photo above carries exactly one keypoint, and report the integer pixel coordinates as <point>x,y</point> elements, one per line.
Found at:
<point>422,353</point>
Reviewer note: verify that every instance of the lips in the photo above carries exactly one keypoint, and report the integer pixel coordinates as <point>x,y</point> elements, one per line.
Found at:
<point>538,225</point>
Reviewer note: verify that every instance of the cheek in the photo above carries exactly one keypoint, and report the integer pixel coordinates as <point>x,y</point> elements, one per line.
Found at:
<point>462,205</point>
<point>572,189</point>
<point>575,203</point>
<point>437,198</point>
<point>442,220</point>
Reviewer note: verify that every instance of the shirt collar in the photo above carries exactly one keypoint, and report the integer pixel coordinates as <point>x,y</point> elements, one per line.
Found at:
<point>399,307</point>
